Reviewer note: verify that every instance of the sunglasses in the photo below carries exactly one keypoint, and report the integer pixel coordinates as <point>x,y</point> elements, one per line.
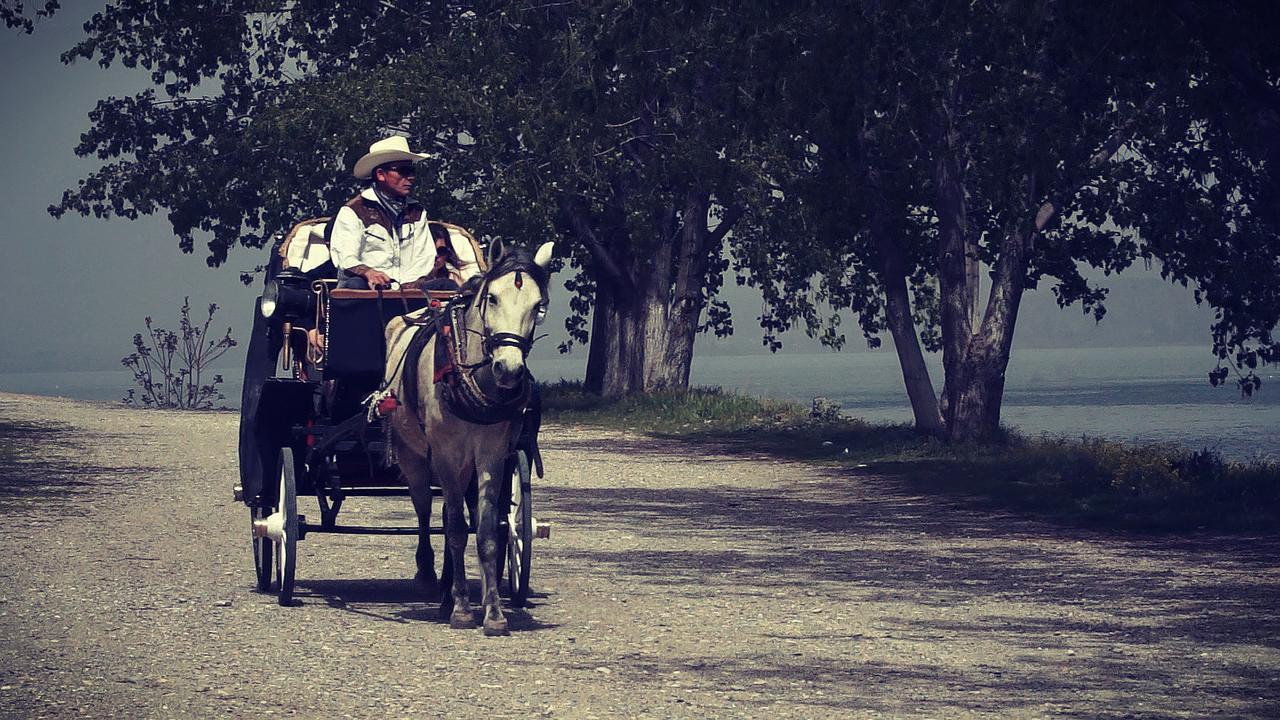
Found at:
<point>404,170</point>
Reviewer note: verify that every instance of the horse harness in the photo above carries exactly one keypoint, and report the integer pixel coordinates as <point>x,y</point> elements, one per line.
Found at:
<point>464,394</point>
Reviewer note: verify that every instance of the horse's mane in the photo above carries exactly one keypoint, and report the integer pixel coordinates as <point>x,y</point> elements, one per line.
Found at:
<point>517,259</point>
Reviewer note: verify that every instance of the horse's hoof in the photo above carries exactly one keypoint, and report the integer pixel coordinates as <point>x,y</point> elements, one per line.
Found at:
<point>427,579</point>
<point>496,628</point>
<point>462,621</point>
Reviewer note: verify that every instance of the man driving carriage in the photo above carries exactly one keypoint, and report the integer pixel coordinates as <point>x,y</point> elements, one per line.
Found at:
<point>382,236</point>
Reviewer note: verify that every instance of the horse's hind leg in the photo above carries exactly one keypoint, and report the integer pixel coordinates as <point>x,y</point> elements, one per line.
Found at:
<point>416,473</point>
<point>425,556</point>
<point>455,532</point>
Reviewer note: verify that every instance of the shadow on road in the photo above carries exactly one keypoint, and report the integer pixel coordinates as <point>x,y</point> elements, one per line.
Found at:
<point>28,473</point>
<point>400,601</point>
<point>1157,617</point>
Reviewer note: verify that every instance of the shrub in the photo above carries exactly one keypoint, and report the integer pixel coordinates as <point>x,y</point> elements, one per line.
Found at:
<point>169,369</point>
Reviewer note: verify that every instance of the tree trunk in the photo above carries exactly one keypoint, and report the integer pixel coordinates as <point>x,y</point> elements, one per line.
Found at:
<point>616,347</point>
<point>676,306</point>
<point>915,374</point>
<point>597,350</point>
<point>977,385</point>
<point>949,186</point>
<point>648,306</point>
<point>977,381</point>
<point>616,359</point>
<point>974,363</point>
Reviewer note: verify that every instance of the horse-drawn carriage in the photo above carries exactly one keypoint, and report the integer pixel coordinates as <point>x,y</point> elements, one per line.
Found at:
<point>317,412</point>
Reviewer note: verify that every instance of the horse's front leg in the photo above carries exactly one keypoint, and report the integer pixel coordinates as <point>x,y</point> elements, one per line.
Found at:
<point>495,623</point>
<point>455,532</point>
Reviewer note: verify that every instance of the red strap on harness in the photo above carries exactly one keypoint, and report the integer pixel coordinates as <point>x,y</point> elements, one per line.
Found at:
<point>387,404</point>
<point>446,332</point>
<point>443,372</point>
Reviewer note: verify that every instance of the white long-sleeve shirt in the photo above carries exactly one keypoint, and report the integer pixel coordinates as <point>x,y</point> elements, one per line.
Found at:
<point>363,234</point>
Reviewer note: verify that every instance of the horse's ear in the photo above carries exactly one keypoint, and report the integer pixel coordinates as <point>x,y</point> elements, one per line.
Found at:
<point>543,257</point>
<point>496,251</point>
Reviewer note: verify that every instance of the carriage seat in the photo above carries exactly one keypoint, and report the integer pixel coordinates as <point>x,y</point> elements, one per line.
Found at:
<point>349,333</point>
<point>306,248</point>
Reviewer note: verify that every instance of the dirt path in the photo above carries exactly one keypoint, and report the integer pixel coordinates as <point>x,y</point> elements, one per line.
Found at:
<point>678,583</point>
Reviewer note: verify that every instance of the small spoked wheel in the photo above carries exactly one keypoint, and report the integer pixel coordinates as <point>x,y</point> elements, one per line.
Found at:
<point>286,540</point>
<point>262,547</point>
<point>519,530</point>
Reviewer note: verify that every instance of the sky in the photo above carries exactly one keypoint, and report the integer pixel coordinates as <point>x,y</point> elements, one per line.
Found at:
<point>79,288</point>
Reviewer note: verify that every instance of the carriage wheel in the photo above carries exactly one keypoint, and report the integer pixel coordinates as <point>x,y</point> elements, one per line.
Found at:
<point>262,547</point>
<point>287,542</point>
<point>519,531</point>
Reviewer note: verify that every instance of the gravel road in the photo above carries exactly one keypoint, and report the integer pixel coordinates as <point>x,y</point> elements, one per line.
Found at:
<point>679,582</point>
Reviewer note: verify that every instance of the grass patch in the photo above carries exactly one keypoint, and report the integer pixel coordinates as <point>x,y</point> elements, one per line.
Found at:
<point>1103,482</point>
<point>1087,481</point>
<point>676,411</point>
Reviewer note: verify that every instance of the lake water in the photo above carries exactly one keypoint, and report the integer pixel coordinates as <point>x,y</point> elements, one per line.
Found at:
<point>1144,394</point>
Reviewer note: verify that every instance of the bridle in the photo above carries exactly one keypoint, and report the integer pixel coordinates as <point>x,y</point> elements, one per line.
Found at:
<point>489,340</point>
<point>468,396</point>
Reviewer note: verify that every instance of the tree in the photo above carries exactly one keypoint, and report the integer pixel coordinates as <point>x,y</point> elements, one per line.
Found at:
<point>626,129</point>
<point>1034,138</point>
<point>662,163</point>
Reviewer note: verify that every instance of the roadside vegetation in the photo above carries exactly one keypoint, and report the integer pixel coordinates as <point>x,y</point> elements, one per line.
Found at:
<point>171,369</point>
<point>1088,481</point>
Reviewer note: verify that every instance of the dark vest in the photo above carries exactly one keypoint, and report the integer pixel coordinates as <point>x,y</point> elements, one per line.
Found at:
<point>371,213</point>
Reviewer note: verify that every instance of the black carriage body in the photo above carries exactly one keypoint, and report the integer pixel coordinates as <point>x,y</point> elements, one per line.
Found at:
<point>322,419</point>
<point>357,343</point>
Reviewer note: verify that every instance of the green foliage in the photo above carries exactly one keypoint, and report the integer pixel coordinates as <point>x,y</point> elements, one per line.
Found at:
<point>169,367</point>
<point>1149,129</point>
<point>631,133</point>
<point>818,131</point>
<point>13,14</point>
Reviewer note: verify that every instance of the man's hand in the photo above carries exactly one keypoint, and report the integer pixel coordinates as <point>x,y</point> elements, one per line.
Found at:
<point>377,278</point>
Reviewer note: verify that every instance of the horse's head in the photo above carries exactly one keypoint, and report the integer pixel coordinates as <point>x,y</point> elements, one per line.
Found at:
<point>511,300</point>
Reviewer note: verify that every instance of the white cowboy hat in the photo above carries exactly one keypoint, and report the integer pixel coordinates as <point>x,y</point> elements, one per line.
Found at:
<point>385,151</point>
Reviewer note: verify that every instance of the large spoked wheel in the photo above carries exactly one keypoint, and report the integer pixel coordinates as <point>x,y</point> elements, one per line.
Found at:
<point>262,547</point>
<point>519,531</point>
<point>286,541</point>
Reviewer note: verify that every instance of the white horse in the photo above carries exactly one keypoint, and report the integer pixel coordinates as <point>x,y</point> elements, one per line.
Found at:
<point>459,415</point>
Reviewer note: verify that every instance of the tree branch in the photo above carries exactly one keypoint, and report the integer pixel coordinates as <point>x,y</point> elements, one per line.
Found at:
<point>1079,179</point>
<point>582,228</point>
<point>732,214</point>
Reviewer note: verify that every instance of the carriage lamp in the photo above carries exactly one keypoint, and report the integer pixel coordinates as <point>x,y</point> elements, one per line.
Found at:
<point>287,297</point>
